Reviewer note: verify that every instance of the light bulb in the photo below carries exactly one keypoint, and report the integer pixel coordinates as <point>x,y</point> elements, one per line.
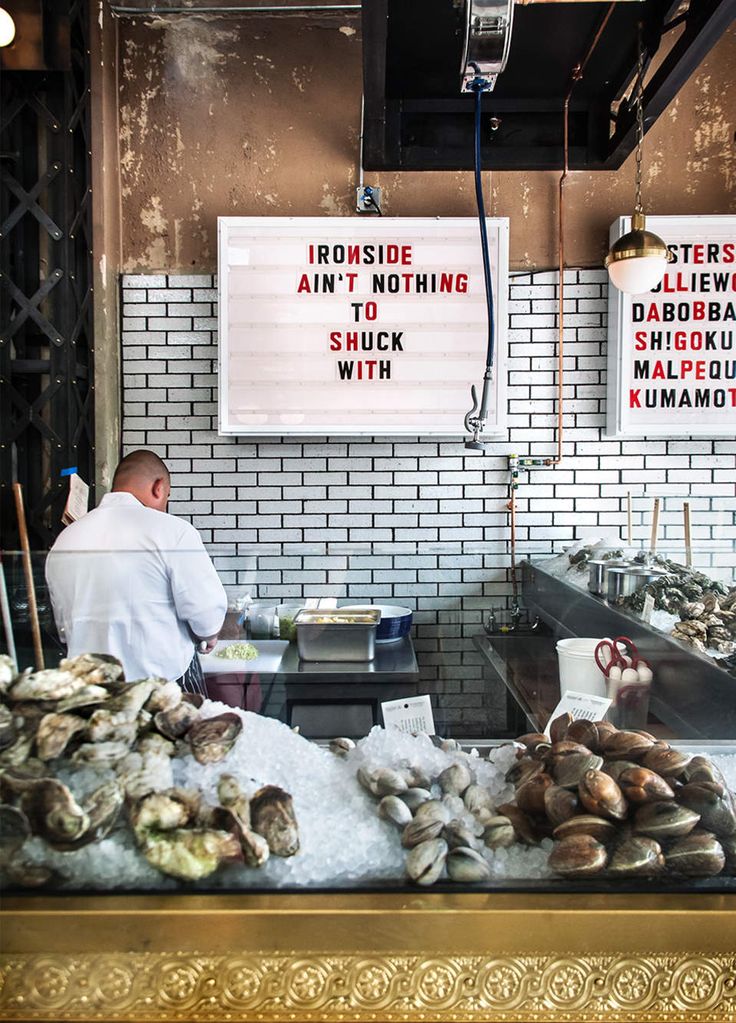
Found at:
<point>7,28</point>
<point>637,274</point>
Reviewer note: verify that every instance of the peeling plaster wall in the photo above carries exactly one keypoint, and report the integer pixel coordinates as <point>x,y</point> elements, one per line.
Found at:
<point>261,117</point>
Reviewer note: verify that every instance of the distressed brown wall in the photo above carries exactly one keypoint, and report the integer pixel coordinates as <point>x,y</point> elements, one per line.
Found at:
<point>260,116</point>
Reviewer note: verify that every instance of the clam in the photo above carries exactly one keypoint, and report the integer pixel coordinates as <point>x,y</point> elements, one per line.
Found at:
<point>464,864</point>
<point>699,854</point>
<point>586,824</point>
<point>664,820</point>
<point>54,733</point>
<point>667,762</point>
<point>585,732</point>
<point>417,778</point>
<point>637,855</point>
<point>176,721</point>
<point>535,741</point>
<point>523,826</point>
<point>617,767</point>
<point>388,782</point>
<point>477,797</point>
<point>450,746</point>
<point>433,809</point>
<point>455,779</point>
<point>522,770</point>
<point>565,748</point>
<point>578,856</point>
<point>600,795</point>
<point>418,831</point>
<point>560,804</point>
<point>626,745</point>
<point>272,815</point>
<point>425,862</point>
<point>702,769</point>
<point>713,802</point>
<point>640,785</point>
<point>190,853</point>
<point>569,770</point>
<point>530,795</point>
<point>393,809</point>
<point>211,739</point>
<point>558,728</point>
<point>458,835</point>
<point>415,797</point>
<point>454,804</point>
<point>341,746</point>
<point>499,833</point>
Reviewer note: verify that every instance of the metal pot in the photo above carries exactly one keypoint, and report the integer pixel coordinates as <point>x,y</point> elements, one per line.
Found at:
<point>622,582</point>
<point>598,573</point>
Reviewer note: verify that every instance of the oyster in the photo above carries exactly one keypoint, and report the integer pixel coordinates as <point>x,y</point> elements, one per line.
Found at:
<point>272,815</point>
<point>176,721</point>
<point>600,795</point>
<point>163,811</point>
<point>425,862</point>
<point>211,739</point>
<point>190,854</point>
<point>699,854</point>
<point>50,684</point>
<point>53,812</point>
<point>164,696</point>
<point>578,856</point>
<point>101,753</point>
<point>464,864</point>
<point>638,855</point>
<point>54,733</point>
<point>95,669</point>
<point>102,807</point>
<point>8,733</point>
<point>8,673</point>
<point>14,830</point>
<point>86,696</point>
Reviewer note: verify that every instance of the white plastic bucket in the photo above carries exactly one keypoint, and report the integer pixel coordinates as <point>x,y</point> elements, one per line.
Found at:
<point>578,670</point>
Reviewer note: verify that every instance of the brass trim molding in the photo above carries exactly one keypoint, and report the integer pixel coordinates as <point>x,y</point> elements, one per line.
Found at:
<point>384,987</point>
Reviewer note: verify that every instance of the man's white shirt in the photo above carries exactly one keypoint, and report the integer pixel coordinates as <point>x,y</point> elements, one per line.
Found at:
<point>137,583</point>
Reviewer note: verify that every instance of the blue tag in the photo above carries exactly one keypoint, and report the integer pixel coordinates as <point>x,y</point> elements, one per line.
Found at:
<point>68,472</point>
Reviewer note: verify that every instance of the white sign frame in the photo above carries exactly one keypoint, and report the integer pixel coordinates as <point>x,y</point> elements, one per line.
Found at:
<point>365,230</point>
<point>675,230</point>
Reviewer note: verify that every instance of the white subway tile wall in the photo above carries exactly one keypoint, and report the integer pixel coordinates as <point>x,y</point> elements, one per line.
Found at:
<point>315,492</point>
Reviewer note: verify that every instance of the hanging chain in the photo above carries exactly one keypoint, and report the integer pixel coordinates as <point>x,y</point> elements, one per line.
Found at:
<point>639,121</point>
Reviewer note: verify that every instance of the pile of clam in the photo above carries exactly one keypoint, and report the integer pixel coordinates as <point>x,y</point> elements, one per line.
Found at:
<point>83,716</point>
<point>443,836</point>
<point>622,803</point>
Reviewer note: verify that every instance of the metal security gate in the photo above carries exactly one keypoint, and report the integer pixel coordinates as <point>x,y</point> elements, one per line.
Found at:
<point>46,313</point>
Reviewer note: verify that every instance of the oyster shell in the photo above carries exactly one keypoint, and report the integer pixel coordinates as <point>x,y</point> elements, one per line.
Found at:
<point>211,739</point>
<point>14,830</point>
<point>272,815</point>
<point>54,733</point>
<point>190,853</point>
<point>178,720</point>
<point>53,812</point>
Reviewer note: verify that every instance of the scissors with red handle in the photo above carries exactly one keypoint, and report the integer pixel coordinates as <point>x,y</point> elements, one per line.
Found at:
<point>608,656</point>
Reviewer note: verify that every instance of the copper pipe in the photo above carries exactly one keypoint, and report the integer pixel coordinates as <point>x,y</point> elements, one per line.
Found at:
<point>575,76</point>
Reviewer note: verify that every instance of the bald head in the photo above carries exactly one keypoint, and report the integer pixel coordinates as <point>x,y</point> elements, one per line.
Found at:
<point>144,475</point>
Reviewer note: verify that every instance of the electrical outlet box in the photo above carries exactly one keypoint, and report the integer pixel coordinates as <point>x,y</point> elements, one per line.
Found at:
<point>366,196</point>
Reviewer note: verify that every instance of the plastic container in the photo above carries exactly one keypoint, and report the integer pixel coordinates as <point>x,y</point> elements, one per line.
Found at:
<point>578,670</point>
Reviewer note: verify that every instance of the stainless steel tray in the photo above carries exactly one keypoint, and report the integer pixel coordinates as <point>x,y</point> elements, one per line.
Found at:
<point>336,635</point>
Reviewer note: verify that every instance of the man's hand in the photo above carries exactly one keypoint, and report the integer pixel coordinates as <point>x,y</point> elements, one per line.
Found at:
<point>206,646</point>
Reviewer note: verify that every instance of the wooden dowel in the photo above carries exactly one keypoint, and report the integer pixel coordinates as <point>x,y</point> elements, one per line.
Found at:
<point>629,520</point>
<point>688,535</point>
<point>28,571</point>
<point>655,526</point>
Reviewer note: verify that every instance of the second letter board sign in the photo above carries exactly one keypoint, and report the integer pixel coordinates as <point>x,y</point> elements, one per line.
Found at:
<point>342,325</point>
<point>672,350</point>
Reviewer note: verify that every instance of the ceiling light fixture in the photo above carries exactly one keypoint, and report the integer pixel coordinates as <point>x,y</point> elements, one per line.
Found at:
<point>7,28</point>
<point>636,262</point>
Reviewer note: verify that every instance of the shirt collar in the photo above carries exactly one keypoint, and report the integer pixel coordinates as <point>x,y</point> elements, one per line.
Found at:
<point>120,498</point>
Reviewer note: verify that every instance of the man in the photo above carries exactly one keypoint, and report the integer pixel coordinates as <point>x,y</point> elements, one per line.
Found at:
<point>130,580</point>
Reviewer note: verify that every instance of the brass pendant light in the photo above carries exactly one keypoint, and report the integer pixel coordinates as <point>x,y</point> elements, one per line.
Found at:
<point>636,262</point>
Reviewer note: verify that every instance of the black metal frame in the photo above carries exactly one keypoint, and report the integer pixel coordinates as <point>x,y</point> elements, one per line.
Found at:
<point>46,309</point>
<point>416,118</point>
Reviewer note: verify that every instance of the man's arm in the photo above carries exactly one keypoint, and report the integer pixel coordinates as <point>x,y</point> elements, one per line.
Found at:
<point>199,597</point>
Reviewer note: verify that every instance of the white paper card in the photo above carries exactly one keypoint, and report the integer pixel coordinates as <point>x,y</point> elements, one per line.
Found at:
<point>414,714</point>
<point>646,611</point>
<point>77,502</point>
<point>580,705</point>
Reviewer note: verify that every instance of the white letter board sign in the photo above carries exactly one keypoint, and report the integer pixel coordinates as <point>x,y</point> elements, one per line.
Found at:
<point>672,350</point>
<point>347,325</point>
